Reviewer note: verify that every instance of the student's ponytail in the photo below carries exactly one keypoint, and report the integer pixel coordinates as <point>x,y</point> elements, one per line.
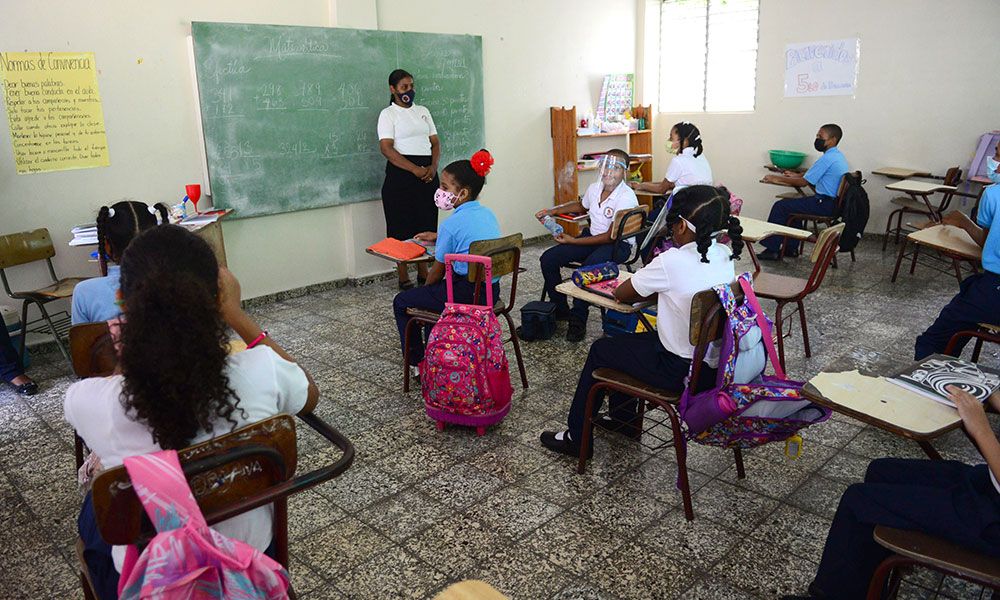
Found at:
<point>687,132</point>
<point>735,233</point>
<point>102,236</point>
<point>707,209</point>
<point>164,211</point>
<point>173,357</point>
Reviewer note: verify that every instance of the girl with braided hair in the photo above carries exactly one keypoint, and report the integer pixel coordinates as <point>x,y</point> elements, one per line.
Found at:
<point>94,299</point>
<point>661,358</point>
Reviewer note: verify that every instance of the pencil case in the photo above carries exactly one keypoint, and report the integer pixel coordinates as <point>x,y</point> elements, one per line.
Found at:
<point>585,276</point>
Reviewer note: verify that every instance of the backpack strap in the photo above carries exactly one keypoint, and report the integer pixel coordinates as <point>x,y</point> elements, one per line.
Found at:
<point>765,330</point>
<point>160,484</point>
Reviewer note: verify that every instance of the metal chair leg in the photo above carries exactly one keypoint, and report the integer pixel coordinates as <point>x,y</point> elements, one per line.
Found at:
<point>740,470</point>
<point>899,261</point>
<point>588,414</point>
<point>680,447</point>
<point>805,332</point>
<point>55,333</point>
<point>976,349</point>
<point>24,329</point>
<point>781,335</point>
<point>517,349</point>
<point>913,262</point>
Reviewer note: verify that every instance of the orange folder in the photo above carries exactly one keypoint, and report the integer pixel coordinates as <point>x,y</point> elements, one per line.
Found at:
<point>398,250</point>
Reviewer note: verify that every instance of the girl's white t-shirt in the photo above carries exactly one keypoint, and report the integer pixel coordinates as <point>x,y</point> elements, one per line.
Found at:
<point>602,214</point>
<point>265,384</point>
<point>676,276</point>
<point>410,129</point>
<point>687,169</point>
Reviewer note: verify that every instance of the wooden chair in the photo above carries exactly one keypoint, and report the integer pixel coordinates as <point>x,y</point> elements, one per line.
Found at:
<point>787,290</point>
<point>913,548</point>
<point>910,206</point>
<point>27,247</point>
<point>985,333</point>
<point>816,220</point>
<point>707,321</point>
<point>505,253</point>
<point>92,354</point>
<point>229,475</point>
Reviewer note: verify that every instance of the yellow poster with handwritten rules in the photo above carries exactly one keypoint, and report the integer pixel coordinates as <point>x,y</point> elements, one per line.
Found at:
<point>54,111</point>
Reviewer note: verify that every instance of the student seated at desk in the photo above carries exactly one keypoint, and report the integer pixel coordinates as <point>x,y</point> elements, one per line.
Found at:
<point>461,182</point>
<point>178,385</point>
<point>698,215</point>
<point>688,167</point>
<point>943,498</point>
<point>979,295</point>
<point>605,197</point>
<point>825,175</point>
<point>94,299</point>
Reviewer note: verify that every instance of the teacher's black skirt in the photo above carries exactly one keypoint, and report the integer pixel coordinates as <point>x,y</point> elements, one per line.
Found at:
<point>408,203</point>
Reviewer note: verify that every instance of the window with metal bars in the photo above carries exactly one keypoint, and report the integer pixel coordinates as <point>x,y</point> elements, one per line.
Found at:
<point>708,55</point>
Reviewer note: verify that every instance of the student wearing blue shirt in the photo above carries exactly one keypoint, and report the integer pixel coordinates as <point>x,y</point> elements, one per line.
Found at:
<point>979,294</point>
<point>824,175</point>
<point>95,299</point>
<point>461,182</point>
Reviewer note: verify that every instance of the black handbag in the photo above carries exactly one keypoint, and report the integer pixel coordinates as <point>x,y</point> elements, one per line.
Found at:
<point>538,321</point>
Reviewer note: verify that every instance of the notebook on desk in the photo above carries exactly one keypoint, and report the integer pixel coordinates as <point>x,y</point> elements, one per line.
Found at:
<point>932,376</point>
<point>604,288</point>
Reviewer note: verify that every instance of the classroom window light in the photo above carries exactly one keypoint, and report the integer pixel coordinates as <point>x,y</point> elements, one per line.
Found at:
<point>708,55</point>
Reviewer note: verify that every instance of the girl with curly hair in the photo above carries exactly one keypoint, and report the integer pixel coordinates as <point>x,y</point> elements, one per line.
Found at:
<point>177,385</point>
<point>461,182</point>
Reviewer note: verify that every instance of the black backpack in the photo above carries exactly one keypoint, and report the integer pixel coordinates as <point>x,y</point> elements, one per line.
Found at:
<point>853,211</point>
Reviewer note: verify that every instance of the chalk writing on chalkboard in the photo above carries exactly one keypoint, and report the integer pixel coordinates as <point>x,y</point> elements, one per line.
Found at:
<point>54,110</point>
<point>828,68</point>
<point>290,113</point>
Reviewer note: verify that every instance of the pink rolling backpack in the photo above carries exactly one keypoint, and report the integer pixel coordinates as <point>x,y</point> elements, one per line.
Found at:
<point>187,558</point>
<point>465,376</point>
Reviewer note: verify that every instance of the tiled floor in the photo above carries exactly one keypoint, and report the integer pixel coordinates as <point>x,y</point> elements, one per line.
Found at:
<point>422,508</point>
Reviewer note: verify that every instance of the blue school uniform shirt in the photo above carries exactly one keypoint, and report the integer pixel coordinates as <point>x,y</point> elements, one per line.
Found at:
<point>988,208</point>
<point>825,174</point>
<point>471,222</point>
<point>94,299</point>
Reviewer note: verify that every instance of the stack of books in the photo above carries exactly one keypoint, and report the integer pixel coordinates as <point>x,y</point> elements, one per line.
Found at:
<point>84,235</point>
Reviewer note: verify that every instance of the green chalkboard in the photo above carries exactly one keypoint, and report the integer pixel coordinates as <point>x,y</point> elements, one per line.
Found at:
<point>290,113</point>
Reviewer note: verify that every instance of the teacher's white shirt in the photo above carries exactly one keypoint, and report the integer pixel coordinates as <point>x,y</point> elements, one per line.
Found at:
<point>410,129</point>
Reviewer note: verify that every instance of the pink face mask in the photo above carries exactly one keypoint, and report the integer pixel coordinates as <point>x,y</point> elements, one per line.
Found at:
<point>444,200</point>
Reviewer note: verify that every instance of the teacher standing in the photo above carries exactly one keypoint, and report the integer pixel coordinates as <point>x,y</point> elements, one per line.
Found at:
<point>409,142</point>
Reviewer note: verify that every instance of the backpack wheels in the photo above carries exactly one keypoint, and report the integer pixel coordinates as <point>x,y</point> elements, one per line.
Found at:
<point>481,430</point>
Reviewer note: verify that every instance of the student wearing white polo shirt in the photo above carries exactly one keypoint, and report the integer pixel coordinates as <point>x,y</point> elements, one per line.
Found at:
<point>602,200</point>
<point>661,358</point>
<point>688,167</point>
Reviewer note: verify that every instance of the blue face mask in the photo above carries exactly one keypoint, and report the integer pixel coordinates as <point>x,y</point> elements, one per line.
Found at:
<point>407,97</point>
<point>991,170</point>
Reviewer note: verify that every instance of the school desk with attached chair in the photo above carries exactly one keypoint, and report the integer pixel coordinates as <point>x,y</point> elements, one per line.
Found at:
<point>911,205</point>
<point>604,303</point>
<point>755,230</point>
<point>954,243</point>
<point>874,400</point>
<point>799,190</point>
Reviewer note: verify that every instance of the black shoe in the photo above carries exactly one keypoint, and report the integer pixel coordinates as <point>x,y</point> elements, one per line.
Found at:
<point>25,389</point>
<point>769,255</point>
<point>564,446</point>
<point>577,330</point>
<point>405,285</point>
<point>609,424</point>
<point>791,253</point>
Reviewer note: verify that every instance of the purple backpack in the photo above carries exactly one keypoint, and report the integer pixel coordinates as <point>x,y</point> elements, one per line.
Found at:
<point>746,415</point>
<point>464,373</point>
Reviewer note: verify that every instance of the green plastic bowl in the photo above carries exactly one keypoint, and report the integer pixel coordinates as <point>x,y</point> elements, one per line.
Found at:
<point>787,159</point>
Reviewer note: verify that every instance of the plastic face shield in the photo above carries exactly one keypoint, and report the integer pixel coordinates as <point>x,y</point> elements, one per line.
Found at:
<point>612,170</point>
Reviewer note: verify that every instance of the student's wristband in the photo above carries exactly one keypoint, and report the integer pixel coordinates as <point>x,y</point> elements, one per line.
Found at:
<point>263,334</point>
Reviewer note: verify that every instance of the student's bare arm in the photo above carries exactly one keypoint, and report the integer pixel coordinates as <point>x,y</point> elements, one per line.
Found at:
<point>435,274</point>
<point>569,207</point>
<point>959,219</point>
<point>626,294</point>
<point>654,187</point>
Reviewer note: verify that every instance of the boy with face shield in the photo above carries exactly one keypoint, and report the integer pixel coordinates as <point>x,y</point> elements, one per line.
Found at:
<point>605,197</point>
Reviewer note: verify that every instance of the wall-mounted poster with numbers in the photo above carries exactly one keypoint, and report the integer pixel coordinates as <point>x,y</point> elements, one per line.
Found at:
<point>828,68</point>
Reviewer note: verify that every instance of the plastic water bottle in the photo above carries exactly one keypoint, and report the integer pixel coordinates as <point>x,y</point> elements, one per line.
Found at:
<point>551,225</point>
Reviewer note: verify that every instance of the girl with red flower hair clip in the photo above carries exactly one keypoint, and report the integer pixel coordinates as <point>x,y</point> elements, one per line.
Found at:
<point>461,182</point>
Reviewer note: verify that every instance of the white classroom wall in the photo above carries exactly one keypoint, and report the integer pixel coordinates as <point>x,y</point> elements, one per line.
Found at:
<point>926,90</point>
<point>536,54</point>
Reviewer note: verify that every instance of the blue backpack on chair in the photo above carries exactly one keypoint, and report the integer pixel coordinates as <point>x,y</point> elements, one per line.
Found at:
<point>746,414</point>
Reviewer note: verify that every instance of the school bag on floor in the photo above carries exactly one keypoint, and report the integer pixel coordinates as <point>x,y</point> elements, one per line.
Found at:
<point>538,321</point>
<point>746,415</point>
<point>464,373</point>
<point>187,558</point>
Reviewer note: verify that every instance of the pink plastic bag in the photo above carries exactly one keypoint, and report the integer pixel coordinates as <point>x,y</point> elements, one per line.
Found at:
<point>187,558</point>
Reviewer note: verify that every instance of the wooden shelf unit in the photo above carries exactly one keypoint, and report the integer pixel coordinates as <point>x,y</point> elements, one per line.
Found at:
<point>563,123</point>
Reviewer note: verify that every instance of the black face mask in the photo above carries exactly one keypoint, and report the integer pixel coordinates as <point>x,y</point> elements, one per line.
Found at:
<point>820,145</point>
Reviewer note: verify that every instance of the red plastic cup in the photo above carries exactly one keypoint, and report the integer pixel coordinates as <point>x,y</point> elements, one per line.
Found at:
<point>193,193</point>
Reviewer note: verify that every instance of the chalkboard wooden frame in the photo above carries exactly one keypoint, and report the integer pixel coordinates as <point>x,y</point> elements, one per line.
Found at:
<point>289,113</point>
